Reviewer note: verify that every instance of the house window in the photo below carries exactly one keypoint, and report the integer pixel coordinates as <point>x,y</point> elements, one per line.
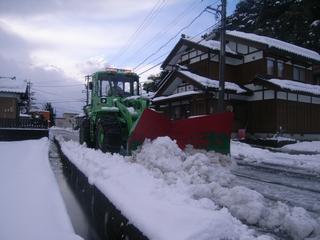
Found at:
<point>252,49</point>
<point>270,66</point>
<point>232,46</point>
<point>299,74</point>
<point>280,67</point>
<point>242,48</point>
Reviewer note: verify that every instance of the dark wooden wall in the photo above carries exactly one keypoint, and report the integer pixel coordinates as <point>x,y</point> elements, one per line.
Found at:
<point>240,74</point>
<point>262,116</point>
<point>294,117</point>
<point>298,117</point>
<point>244,73</point>
<point>8,108</point>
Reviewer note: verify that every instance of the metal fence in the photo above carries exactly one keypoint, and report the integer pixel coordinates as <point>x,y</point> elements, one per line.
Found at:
<point>23,123</point>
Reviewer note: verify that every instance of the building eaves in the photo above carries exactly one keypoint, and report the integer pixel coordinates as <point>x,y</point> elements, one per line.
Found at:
<point>207,46</point>
<point>273,43</point>
<point>288,85</point>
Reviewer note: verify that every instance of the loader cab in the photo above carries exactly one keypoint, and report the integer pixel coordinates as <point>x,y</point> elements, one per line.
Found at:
<point>116,83</point>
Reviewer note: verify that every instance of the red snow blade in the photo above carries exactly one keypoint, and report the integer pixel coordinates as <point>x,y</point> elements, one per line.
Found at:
<point>210,132</point>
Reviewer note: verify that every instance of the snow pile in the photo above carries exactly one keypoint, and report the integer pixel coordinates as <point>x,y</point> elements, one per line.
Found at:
<point>189,189</point>
<point>31,205</point>
<point>248,153</point>
<point>313,147</point>
<point>299,224</point>
<point>206,177</point>
<point>164,199</point>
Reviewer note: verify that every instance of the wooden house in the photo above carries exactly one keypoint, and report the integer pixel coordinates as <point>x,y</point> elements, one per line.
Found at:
<point>271,85</point>
<point>13,95</point>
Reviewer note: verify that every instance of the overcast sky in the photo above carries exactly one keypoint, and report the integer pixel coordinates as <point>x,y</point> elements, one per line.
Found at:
<point>55,43</point>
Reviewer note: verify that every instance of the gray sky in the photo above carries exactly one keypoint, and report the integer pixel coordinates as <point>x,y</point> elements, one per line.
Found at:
<point>55,43</point>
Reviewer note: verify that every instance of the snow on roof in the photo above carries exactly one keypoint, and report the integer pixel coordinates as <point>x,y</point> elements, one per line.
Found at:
<point>207,82</point>
<point>186,93</point>
<point>296,86</point>
<point>8,85</point>
<point>271,42</point>
<point>212,44</point>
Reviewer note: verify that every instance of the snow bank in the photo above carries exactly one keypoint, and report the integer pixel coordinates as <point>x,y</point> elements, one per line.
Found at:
<point>185,194</point>
<point>31,205</point>
<point>163,198</point>
<point>253,154</point>
<point>312,147</point>
<point>205,176</point>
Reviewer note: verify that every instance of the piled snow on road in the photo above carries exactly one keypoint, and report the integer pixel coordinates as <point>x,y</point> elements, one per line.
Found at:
<point>311,147</point>
<point>31,206</point>
<point>150,192</point>
<point>248,153</point>
<point>206,176</point>
<point>178,190</point>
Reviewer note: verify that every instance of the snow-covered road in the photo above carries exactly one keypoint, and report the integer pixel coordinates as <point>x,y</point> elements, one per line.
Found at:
<point>31,206</point>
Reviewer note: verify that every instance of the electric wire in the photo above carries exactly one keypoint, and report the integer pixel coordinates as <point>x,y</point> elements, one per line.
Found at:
<point>157,64</point>
<point>171,39</point>
<point>54,86</point>
<point>160,33</point>
<point>146,21</point>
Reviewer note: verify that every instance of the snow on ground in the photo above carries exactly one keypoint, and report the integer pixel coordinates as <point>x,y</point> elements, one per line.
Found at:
<point>312,147</point>
<point>253,154</point>
<point>183,189</point>
<point>152,195</point>
<point>30,204</point>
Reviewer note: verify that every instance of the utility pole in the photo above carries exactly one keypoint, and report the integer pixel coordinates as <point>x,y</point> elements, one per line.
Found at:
<point>29,97</point>
<point>222,55</point>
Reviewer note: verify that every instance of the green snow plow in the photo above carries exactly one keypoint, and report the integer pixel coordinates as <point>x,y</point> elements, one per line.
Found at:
<point>113,108</point>
<point>117,118</point>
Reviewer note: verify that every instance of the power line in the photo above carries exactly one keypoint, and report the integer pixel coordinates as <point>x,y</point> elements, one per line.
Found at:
<point>50,86</point>
<point>154,11</point>
<point>177,19</point>
<point>172,38</point>
<point>50,93</point>
<point>157,64</point>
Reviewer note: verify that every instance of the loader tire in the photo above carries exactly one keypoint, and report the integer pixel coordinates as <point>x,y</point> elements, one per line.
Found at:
<point>108,136</point>
<point>84,133</point>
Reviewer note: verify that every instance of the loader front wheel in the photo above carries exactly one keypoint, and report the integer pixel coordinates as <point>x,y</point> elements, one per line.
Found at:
<point>108,138</point>
<point>84,133</point>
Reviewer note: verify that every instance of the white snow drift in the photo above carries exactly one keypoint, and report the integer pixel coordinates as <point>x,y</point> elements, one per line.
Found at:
<point>173,194</point>
<point>31,206</point>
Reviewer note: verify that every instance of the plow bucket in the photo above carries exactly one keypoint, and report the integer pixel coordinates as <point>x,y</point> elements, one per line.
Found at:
<point>209,132</point>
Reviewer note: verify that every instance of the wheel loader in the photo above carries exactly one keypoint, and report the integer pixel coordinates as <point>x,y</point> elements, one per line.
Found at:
<point>118,119</point>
